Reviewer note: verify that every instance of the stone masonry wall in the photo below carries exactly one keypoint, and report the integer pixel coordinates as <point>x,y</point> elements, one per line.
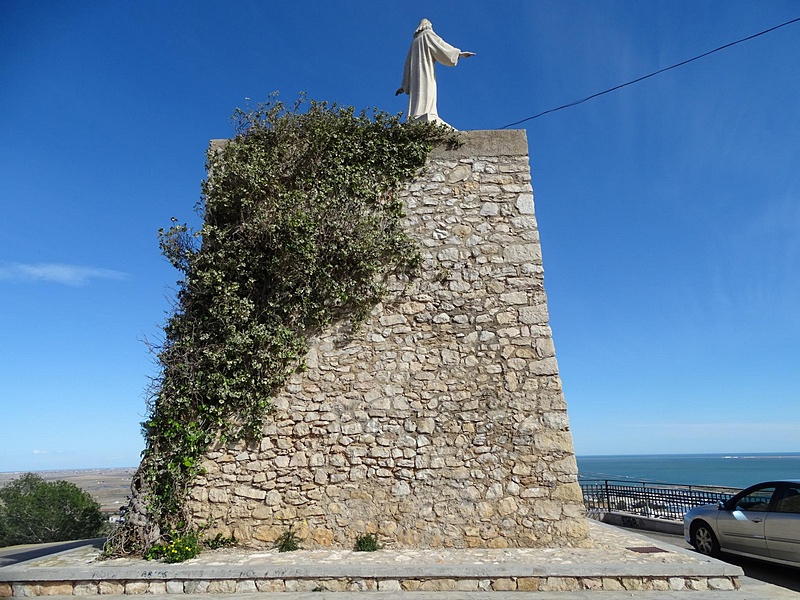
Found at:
<point>441,421</point>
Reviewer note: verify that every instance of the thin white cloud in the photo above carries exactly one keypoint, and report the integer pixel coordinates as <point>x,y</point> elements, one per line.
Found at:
<point>73,275</point>
<point>40,452</point>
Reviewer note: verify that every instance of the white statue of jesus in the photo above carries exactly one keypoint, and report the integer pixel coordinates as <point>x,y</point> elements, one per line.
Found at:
<point>419,74</point>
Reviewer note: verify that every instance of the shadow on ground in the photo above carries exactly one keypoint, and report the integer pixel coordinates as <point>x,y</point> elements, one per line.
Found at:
<point>785,577</point>
<point>18,554</point>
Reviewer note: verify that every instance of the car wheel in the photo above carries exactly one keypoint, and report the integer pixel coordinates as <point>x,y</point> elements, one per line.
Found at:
<point>704,540</point>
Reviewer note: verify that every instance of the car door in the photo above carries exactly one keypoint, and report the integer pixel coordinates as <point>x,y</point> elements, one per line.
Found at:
<point>741,527</point>
<point>782,527</point>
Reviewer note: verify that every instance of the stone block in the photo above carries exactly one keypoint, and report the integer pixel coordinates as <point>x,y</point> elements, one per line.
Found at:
<point>697,584</point>
<point>632,583</point>
<point>262,513</point>
<point>552,441</point>
<point>528,584</point>
<point>534,315</point>
<point>221,586</point>
<point>136,587</point>
<point>507,506</point>
<point>389,585</point>
<point>335,585</point>
<point>82,588</point>
<point>217,495</point>
<point>459,173</point>
<point>390,320</point>
<point>246,586</point>
<point>298,459</point>
<point>524,204</point>
<point>248,492</point>
<point>467,585</point>
<point>659,585</point>
<point>514,298</point>
<point>490,209</point>
<point>546,366</point>
<point>721,583</point>
<point>26,589</point>
<point>591,583</point>
<point>612,584</point>
<point>504,584</point>
<point>522,253</point>
<point>55,588</point>
<point>560,584</point>
<point>410,585</point>
<point>322,537</point>
<point>568,493</point>
<point>547,510</point>
<point>194,586</point>
<point>497,542</point>
<point>112,588</point>
<point>267,533</point>
<point>401,488</point>
<point>438,585</point>
<point>270,585</point>
<point>157,588</point>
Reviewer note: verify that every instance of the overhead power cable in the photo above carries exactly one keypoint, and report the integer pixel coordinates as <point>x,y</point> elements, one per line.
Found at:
<point>653,74</point>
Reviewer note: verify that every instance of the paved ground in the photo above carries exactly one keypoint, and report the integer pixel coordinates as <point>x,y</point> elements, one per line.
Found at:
<point>612,546</point>
<point>785,577</point>
<point>756,591</point>
<point>609,545</point>
<point>18,554</point>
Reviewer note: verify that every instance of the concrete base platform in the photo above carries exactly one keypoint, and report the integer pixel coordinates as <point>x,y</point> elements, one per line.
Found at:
<point>619,564</point>
<point>757,592</point>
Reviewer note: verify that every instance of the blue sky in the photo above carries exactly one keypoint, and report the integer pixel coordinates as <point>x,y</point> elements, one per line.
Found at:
<point>669,211</point>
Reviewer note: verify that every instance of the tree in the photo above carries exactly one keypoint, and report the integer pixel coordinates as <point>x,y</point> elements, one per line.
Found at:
<point>34,511</point>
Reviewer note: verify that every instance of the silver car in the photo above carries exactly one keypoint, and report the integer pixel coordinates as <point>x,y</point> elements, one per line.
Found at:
<point>761,522</point>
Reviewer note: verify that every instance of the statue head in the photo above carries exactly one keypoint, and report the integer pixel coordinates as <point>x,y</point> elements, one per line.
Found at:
<point>423,26</point>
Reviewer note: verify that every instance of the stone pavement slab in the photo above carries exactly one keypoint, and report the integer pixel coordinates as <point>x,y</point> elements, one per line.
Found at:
<point>617,561</point>
<point>756,591</point>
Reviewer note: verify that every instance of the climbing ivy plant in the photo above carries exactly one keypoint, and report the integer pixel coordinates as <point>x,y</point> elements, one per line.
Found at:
<point>301,226</point>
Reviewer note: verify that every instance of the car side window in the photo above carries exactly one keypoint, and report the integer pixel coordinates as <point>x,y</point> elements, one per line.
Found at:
<point>790,500</point>
<point>757,500</point>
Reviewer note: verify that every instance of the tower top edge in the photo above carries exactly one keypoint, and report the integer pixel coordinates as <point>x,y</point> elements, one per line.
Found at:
<point>477,142</point>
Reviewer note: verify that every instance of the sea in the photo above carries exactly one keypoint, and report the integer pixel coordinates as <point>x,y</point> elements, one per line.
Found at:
<point>726,470</point>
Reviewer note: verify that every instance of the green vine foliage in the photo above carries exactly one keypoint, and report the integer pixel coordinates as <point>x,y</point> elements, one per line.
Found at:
<point>301,228</point>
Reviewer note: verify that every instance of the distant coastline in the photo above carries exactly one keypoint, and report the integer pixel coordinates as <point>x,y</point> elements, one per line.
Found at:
<point>4,475</point>
<point>111,486</point>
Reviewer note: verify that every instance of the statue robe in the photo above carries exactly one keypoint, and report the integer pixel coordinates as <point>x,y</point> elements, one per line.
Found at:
<point>419,74</point>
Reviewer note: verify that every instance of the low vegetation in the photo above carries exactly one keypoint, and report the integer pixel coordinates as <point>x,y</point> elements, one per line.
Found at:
<point>367,543</point>
<point>34,511</point>
<point>288,541</point>
<point>179,547</point>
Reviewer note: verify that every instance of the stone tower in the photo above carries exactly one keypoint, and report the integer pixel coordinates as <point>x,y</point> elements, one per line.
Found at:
<point>441,421</point>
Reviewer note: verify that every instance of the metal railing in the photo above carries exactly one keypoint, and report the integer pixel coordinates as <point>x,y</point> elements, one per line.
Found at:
<point>658,500</point>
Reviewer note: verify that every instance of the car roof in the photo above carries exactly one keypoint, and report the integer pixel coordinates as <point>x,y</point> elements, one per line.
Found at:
<point>795,481</point>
